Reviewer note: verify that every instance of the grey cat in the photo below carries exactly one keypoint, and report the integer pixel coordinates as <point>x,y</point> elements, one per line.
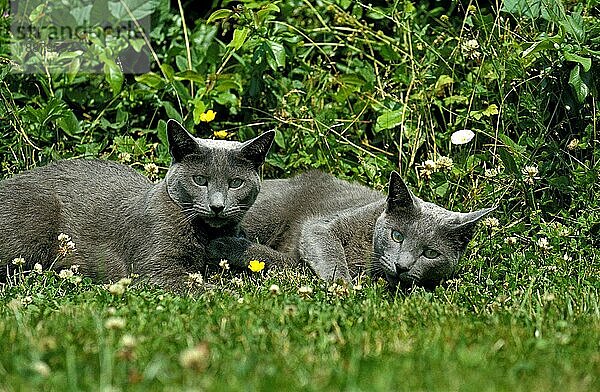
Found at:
<point>341,229</point>
<point>120,222</point>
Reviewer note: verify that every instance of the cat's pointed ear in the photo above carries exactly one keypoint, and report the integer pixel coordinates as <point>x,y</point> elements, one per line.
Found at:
<point>255,150</point>
<point>399,196</point>
<point>464,225</point>
<point>181,142</point>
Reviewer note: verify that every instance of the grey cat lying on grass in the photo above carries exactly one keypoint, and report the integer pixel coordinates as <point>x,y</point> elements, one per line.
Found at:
<point>341,229</point>
<point>121,223</point>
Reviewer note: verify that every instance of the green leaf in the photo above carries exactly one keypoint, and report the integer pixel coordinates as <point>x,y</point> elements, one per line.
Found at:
<point>442,189</point>
<point>239,37</point>
<point>113,75</point>
<point>456,100</point>
<point>509,161</point>
<point>168,71</point>
<point>545,44</point>
<point>171,111</point>
<point>199,108</point>
<point>218,15</point>
<point>190,75</point>
<point>73,69</point>
<point>490,110</point>
<point>579,86</point>
<point>124,10</point>
<point>265,13</point>
<point>573,25</point>
<point>584,61</point>
<point>279,140</point>
<point>162,132</point>
<point>389,119</point>
<point>151,79</point>
<point>528,8</point>
<point>278,53</point>
<point>69,123</point>
<point>442,82</point>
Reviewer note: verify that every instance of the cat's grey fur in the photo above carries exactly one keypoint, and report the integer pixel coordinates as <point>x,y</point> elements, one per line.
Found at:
<point>341,229</point>
<point>123,224</point>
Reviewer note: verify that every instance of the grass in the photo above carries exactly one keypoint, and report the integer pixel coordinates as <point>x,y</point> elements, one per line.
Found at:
<point>505,324</point>
<point>521,314</point>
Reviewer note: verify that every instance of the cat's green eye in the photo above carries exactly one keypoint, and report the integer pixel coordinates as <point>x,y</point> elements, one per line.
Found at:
<point>236,183</point>
<point>200,180</point>
<point>397,236</point>
<point>431,253</point>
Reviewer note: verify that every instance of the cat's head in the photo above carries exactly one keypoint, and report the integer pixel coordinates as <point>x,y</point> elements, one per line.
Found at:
<point>416,242</point>
<point>214,180</point>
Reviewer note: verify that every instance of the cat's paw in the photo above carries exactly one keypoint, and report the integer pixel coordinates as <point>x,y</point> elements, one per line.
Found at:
<point>231,249</point>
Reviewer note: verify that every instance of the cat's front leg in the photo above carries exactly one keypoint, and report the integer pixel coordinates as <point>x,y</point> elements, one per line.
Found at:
<point>239,252</point>
<point>322,249</point>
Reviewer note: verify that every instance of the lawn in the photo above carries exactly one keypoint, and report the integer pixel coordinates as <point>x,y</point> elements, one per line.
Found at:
<point>357,89</point>
<point>499,327</point>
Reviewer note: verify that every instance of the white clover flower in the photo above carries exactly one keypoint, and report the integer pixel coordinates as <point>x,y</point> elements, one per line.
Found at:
<point>116,289</point>
<point>37,268</point>
<point>429,165</point>
<point>305,290</point>
<point>18,261</point>
<point>125,282</point>
<point>66,246</point>
<point>151,169</point>
<point>490,222</point>
<point>114,323</point>
<point>510,240</point>
<point>573,144</point>
<point>196,277</point>
<point>444,163</point>
<point>531,174</point>
<point>463,136</point>
<point>125,157</point>
<point>66,274</point>
<point>274,289</point>
<point>70,246</point>
<point>224,264</point>
<point>290,310</point>
<point>194,280</point>
<point>128,341</point>
<point>425,173</point>
<point>41,368</point>
<point>544,244</point>
<point>62,237</point>
<point>195,358</point>
<point>470,49</point>
<point>338,289</point>
<point>490,173</point>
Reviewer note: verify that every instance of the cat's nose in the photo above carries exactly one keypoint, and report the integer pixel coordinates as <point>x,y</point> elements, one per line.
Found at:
<point>217,209</point>
<point>401,269</point>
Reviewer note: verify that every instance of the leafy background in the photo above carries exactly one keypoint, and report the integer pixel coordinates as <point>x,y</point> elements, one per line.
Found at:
<point>359,89</point>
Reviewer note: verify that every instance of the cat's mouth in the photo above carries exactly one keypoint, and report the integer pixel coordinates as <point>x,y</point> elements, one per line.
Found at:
<point>402,280</point>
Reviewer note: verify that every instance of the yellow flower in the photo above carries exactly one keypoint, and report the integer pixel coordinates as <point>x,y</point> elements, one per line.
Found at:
<point>256,266</point>
<point>208,116</point>
<point>220,134</point>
